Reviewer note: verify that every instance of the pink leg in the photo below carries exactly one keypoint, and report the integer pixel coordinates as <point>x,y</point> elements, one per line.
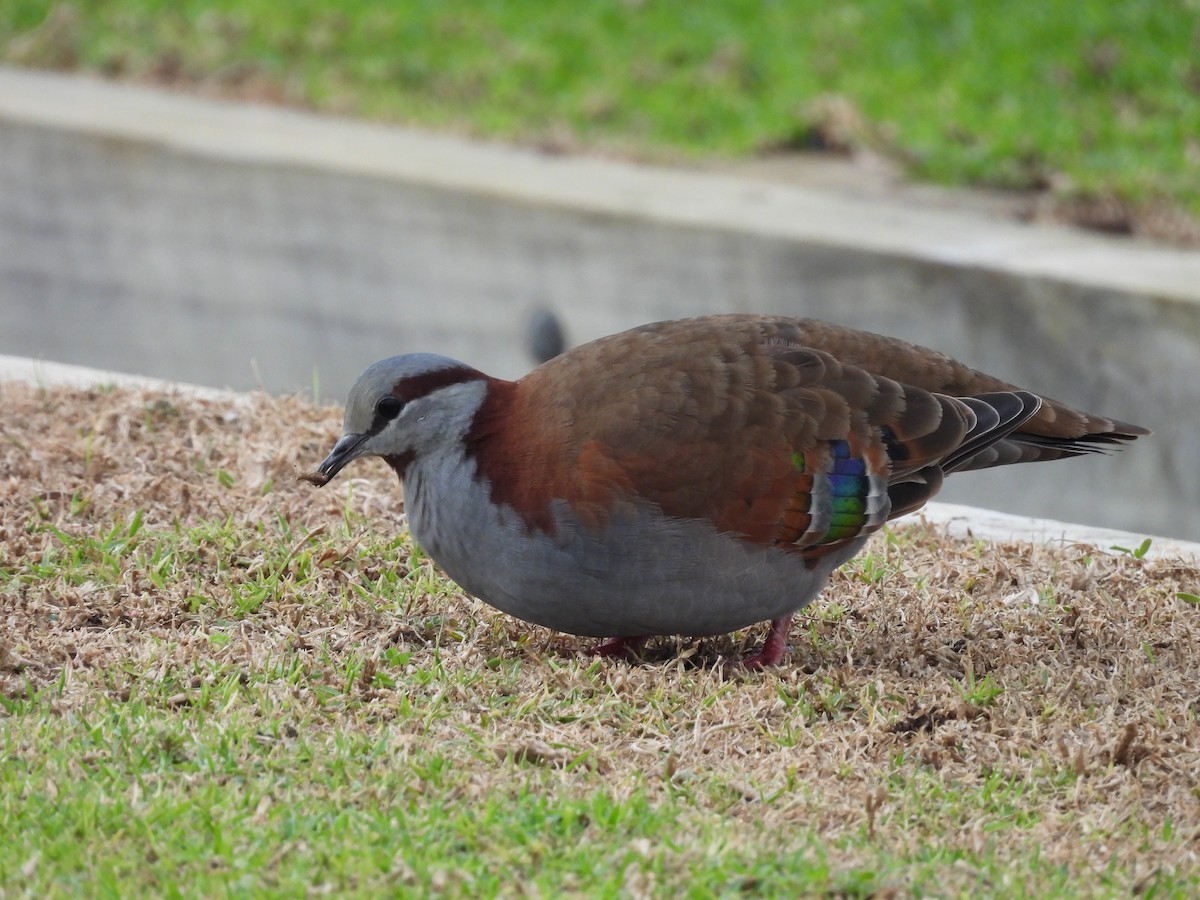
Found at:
<point>774,646</point>
<point>622,647</point>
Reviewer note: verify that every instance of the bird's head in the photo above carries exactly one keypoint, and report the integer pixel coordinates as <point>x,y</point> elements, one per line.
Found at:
<point>403,408</point>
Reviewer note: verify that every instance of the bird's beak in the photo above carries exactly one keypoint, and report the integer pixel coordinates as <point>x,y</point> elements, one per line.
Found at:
<point>348,448</point>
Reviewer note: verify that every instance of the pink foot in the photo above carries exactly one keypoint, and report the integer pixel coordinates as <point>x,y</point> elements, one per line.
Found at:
<point>773,648</point>
<point>622,647</point>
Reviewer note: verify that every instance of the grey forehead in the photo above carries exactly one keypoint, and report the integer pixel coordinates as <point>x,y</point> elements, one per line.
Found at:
<point>380,378</point>
<point>387,372</point>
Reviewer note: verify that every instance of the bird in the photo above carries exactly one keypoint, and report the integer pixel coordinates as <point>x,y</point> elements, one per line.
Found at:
<point>544,338</point>
<point>686,477</point>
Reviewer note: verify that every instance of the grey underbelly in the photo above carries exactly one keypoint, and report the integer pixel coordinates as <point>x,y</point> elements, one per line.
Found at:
<point>647,575</point>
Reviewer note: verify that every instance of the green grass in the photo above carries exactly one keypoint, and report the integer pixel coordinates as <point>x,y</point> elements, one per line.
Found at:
<point>1097,98</point>
<point>160,802</point>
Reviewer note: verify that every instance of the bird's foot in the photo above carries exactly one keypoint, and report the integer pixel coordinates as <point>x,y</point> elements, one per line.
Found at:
<point>773,647</point>
<point>622,647</point>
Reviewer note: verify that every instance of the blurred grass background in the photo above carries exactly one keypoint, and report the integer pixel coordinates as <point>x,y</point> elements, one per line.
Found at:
<point>1095,100</point>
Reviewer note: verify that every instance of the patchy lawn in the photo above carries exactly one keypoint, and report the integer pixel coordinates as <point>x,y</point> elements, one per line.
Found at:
<point>214,679</point>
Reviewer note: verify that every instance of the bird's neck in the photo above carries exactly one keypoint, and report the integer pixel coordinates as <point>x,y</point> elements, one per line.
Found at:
<point>521,449</point>
<point>507,444</point>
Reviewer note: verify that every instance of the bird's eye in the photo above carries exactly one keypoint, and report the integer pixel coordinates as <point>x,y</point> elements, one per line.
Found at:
<point>388,407</point>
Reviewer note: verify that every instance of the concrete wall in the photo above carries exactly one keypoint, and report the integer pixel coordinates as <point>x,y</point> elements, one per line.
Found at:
<point>236,246</point>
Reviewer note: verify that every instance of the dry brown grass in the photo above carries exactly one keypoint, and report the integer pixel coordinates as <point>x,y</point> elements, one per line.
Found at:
<point>952,714</point>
